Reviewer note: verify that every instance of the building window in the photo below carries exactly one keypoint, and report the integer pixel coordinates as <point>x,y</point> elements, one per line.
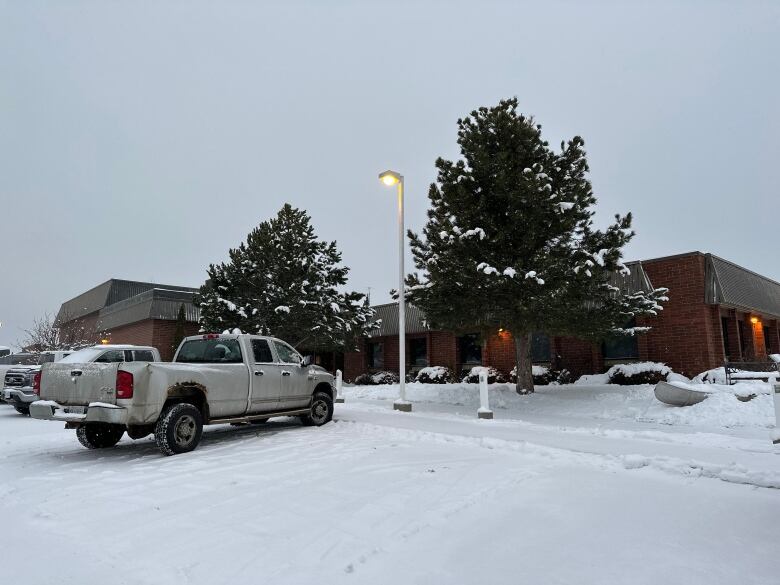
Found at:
<point>742,338</point>
<point>418,351</point>
<point>376,354</point>
<point>540,348</point>
<point>622,347</point>
<point>766,339</point>
<point>470,349</point>
<point>724,325</point>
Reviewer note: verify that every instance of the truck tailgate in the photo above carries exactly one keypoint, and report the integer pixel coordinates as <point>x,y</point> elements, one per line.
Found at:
<point>79,383</point>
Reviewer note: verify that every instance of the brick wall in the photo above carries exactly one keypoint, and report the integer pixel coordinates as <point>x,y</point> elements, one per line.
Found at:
<point>686,334</point>
<point>499,352</point>
<point>164,334</point>
<point>442,349</point>
<point>157,333</point>
<point>355,361</point>
<point>577,355</point>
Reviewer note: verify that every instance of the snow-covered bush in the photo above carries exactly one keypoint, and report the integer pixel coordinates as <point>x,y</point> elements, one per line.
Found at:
<point>544,376</point>
<point>435,375</point>
<point>376,378</point>
<point>638,373</point>
<point>493,375</point>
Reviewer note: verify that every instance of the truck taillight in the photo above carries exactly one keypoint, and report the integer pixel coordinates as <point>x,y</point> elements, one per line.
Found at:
<point>124,384</point>
<point>37,383</point>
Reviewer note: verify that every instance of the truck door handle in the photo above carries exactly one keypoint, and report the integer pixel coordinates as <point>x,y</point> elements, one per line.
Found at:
<point>259,372</point>
<point>285,373</point>
<point>76,372</point>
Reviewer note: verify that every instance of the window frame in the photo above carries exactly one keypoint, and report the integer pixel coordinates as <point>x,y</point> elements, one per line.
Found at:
<point>474,337</point>
<point>99,359</point>
<point>278,342</point>
<point>135,356</point>
<point>371,362</point>
<point>422,341</point>
<point>268,345</point>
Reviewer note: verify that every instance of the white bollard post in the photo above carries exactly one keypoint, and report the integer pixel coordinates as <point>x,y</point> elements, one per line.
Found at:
<point>776,396</point>
<point>484,407</point>
<point>339,384</point>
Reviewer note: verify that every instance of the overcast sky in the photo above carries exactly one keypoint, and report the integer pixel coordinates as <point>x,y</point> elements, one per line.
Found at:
<point>141,140</point>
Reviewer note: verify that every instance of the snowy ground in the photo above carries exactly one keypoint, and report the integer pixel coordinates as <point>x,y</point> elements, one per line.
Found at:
<point>572,485</point>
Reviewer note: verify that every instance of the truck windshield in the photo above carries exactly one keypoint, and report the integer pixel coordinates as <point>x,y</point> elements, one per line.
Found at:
<point>210,351</point>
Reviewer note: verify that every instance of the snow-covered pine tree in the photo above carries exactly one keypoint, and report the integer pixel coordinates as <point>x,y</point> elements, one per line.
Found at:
<point>285,282</point>
<point>509,241</point>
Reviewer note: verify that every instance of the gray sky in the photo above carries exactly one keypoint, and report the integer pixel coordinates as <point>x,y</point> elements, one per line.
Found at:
<point>141,140</point>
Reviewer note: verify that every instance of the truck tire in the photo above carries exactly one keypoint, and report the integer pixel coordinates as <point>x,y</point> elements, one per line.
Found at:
<point>179,429</point>
<point>25,410</point>
<point>320,411</point>
<point>99,435</point>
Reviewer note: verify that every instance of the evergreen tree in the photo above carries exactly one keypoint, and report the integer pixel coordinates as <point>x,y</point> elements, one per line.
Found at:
<point>509,241</point>
<point>284,282</point>
<point>179,333</point>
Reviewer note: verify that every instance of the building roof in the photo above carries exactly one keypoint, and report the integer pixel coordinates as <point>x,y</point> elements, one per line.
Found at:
<point>388,314</point>
<point>156,303</point>
<point>106,294</point>
<point>736,287</point>
<point>634,280</point>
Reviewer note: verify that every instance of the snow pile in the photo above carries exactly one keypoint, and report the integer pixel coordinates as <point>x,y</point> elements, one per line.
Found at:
<point>744,390</point>
<point>592,380</point>
<point>604,402</point>
<point>720,409</point>
<point>435,375</point>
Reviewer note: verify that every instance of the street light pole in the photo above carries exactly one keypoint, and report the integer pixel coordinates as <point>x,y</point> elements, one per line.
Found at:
<point>392,178</point>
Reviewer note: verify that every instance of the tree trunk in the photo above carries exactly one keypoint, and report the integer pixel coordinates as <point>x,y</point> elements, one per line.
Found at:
<point>525,379</point>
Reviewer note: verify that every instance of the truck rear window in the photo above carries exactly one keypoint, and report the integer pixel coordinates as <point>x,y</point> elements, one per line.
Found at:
<point>210,351</point>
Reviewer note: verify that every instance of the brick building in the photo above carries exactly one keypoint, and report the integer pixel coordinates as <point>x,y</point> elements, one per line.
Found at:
<point>717,311</point>
<point>124,311</point>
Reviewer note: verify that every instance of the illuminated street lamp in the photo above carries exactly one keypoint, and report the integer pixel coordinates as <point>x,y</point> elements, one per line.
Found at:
<point>391,178</point>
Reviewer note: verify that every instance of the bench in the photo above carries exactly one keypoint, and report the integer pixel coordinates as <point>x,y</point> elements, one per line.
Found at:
<point>760,371</point>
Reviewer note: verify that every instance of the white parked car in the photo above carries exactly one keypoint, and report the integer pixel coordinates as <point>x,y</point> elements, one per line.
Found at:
<point>19,381</point>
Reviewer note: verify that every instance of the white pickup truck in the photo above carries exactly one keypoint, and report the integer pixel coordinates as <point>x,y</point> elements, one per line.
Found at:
<point>214,379</point>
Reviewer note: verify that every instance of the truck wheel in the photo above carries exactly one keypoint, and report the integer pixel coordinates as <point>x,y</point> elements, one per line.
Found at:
<point>320,412</point>
<point>179,429</point>
<point>99,435</point>
<point>25,410</point>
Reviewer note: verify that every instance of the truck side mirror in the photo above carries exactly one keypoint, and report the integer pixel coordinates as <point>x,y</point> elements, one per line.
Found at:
<point>306,361</point>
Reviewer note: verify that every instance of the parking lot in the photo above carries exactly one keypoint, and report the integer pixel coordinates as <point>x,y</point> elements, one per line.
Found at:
<point>380,497</point>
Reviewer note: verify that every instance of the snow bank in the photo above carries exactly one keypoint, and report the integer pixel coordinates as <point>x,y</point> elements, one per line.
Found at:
<point>609,402</point>
<point>720,409</point>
